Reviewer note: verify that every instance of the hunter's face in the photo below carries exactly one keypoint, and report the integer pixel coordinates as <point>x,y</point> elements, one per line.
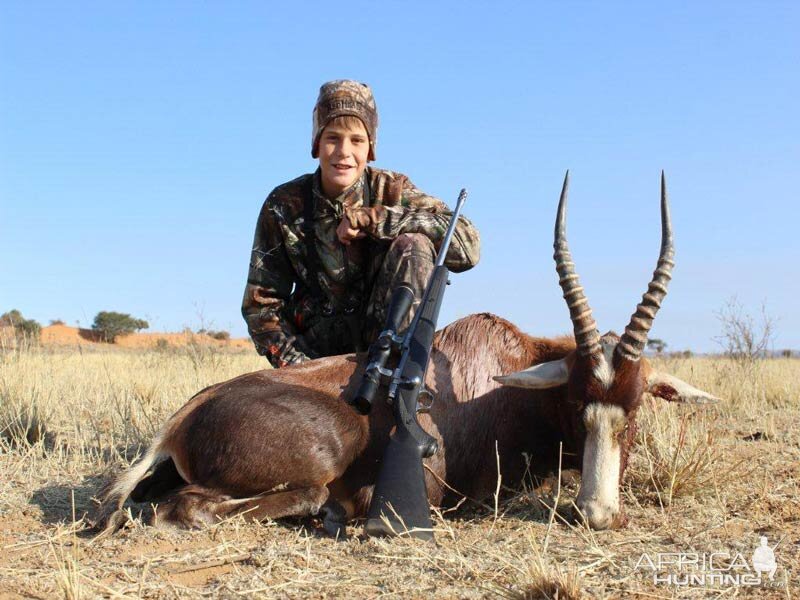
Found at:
<point>343,153</point>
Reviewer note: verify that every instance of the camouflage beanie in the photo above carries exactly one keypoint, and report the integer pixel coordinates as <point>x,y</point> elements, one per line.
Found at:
<point>344,97</point>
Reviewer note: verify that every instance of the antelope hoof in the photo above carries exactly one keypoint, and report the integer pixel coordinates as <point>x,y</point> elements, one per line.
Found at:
<point>111,524</point>
<point>600,517</point>
<point>334,519</point>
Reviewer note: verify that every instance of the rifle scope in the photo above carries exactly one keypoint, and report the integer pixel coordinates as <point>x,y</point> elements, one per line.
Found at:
<point>381,349</point>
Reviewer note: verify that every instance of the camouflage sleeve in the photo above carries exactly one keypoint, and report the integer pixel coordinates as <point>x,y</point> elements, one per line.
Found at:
<point>269,283</point>
<point>420,213</point>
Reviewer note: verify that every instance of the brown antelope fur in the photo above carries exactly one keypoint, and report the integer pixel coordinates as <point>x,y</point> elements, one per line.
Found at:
<point>285,442</point>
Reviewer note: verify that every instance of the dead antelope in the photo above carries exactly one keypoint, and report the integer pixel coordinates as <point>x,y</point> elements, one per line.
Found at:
<point>285,442</point>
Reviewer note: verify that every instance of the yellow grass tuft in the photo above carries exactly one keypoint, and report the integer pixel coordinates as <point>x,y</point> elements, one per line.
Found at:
<point>540,579</point>
<point>675,455</point>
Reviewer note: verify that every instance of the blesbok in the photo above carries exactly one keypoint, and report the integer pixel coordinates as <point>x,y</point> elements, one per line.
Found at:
<point>285,442</point>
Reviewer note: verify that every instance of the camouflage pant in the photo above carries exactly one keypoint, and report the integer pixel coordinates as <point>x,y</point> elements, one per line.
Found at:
<point>409,260</point>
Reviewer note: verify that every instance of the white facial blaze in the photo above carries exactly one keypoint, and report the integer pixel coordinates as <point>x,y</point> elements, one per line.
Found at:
<point>598,499</point>
<point>604,371</point>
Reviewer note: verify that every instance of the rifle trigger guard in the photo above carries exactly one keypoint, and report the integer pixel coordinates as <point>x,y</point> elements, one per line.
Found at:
<point>424,401</point>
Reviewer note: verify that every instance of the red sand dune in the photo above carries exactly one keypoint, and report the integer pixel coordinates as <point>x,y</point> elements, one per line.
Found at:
<point>63,335</point>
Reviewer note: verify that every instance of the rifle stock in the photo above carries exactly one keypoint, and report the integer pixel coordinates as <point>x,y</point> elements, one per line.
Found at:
<point>400,500</point>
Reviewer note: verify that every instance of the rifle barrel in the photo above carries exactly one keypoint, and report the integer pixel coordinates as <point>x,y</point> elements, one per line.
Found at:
<point>462,197</point>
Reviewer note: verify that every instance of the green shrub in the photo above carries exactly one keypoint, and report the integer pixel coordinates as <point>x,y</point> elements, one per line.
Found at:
<point>23,328</point>
<point>111,325</point>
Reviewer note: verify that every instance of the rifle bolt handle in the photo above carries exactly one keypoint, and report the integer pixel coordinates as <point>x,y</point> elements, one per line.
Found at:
<point>411,383</point>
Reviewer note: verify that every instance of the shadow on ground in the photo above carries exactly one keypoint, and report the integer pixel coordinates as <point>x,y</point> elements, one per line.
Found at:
<point>65,503</point>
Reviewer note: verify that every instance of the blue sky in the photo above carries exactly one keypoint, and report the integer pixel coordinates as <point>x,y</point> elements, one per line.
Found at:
<point>138,141</point>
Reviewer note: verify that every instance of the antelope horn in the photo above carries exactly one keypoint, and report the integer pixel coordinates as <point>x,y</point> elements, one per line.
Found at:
<point>635,337</point>
<point>586,335</point>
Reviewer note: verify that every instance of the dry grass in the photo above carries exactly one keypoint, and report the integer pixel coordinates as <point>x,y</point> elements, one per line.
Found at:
<point>710,480</point>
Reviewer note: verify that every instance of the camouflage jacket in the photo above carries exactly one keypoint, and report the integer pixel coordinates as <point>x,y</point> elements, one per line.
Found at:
<point>278,279</point>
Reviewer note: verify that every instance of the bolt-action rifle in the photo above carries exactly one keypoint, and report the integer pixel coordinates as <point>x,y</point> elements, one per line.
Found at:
<point>400,500</point>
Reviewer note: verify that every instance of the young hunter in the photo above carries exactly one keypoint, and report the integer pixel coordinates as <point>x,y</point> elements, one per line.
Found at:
<point>330,247</point>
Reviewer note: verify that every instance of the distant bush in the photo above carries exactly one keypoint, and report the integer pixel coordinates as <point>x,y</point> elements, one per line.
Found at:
<point>111,325</point>
<point>744,338</point>
<point>22,327</point>
<point>162,345</point>
<point>56,322</point>
<point>223,336</point>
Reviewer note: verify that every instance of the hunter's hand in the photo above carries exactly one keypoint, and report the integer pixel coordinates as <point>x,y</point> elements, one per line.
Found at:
<point>347,233</point>
<point>356,222</point>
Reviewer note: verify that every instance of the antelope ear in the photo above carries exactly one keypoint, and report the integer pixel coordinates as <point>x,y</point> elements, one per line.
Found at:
<point>673,389</point>
<point>538,377</point>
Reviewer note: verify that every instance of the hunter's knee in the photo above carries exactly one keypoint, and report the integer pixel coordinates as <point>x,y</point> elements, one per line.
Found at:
<point>412,243</point>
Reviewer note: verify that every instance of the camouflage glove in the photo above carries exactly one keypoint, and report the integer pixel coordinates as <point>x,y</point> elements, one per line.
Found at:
<point>365,218</point>
<point>280,354</point>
